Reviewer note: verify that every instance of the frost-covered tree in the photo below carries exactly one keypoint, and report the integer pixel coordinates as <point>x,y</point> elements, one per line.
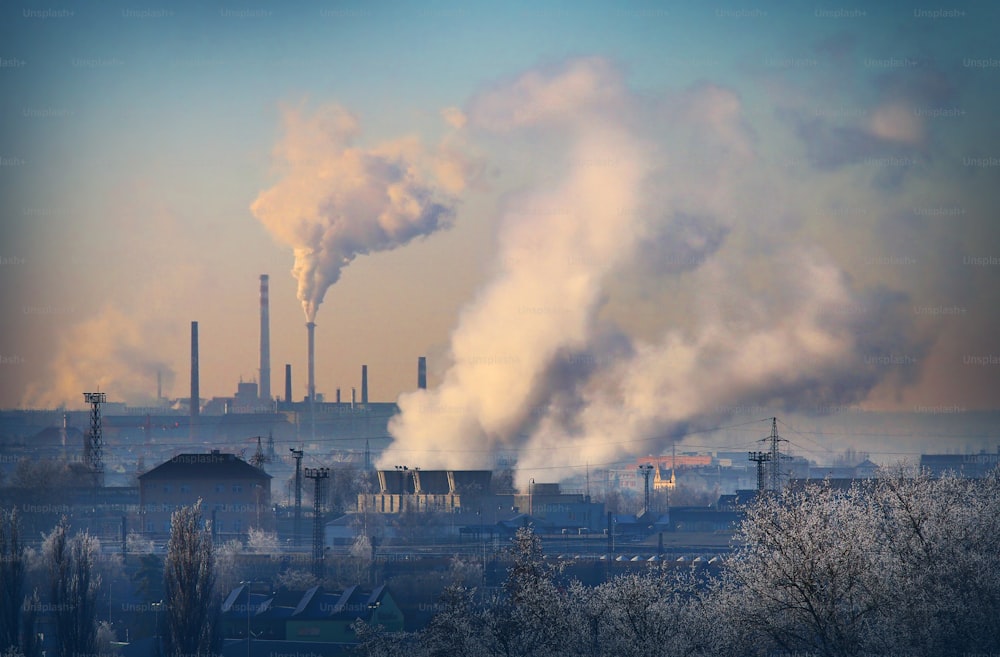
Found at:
<point>12,574</point>
<point>940,559</point>
<point>652,613</point>
<point>188,584</point>
<point>260,541</point>
<point>454,629</point>
<point>73,585</point>
<point>531,615</point>
<point>228,573</point>
<point>31,643</point>
<point>805,579</point>
<point>905,563</point>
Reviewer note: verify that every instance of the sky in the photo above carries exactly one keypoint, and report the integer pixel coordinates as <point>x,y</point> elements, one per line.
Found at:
<point>594,219</point>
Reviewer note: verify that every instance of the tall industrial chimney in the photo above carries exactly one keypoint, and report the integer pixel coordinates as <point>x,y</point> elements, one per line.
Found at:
<point>288,382</point>
<point>195,394</point>
<point>422,372</point>
<point>364,384</point>
<point>311,365</point>
<point>265,342</point>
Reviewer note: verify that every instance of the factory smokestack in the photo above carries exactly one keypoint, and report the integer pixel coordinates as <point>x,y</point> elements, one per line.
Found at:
<point>364,384</point>
<point>338,395</point>
<point>422,373</point>
<point>288,383</point>
<point>265,342</point>
<point>195,393</point>
<point>311,365</point>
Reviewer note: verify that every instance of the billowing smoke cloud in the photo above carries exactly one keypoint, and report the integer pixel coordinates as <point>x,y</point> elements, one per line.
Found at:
<point>649,192</point>
<point>337,200</point>
<point>111,352</point>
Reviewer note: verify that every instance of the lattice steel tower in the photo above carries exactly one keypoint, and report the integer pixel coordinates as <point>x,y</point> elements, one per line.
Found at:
<point>93,447</point>
<point>318,475</point>
<point>761,459</point>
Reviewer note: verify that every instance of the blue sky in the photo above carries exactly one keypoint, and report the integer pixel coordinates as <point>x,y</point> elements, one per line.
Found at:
<point>136,139</point>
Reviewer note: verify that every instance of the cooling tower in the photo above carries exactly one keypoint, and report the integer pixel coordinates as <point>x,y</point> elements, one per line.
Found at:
<point>364,384</point>
<point>422,373</point>
<point>265,342</point>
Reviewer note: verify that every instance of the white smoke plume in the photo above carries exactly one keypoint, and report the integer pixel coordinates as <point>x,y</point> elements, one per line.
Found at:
<point>111,352</point>
<point>338,200</point>
<point>664,191</point>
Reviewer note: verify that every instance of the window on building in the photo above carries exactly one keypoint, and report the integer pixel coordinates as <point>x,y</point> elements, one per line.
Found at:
<point>149,525</point>
<point>185,488</point>
<point>166,488</point>
<point>237,525</point>
<point>220,488</point>
<point>237,488</point>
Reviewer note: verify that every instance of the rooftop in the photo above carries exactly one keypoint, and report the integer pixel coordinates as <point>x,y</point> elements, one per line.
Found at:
<point>196,466</point>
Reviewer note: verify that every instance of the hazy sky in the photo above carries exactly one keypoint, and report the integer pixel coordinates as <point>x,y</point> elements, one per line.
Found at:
<point>721,204</point>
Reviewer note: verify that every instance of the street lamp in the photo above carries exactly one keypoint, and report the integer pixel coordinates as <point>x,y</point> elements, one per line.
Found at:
<point>249,584</point>
<point>156,620</point>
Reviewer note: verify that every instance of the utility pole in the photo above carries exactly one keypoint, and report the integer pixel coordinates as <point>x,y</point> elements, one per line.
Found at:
<point>318,475</point>
<point>297,529</point>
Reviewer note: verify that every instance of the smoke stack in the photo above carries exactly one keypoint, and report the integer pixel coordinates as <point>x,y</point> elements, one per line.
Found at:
<point>311,365</point>
<point>288,383</point>
<point>364,384</point>
<point>354,396</point>
<point>422,373</point>
<point>265,342</point>
<point>195,394</point>
<point>338,395</point>
<point>159,385</point>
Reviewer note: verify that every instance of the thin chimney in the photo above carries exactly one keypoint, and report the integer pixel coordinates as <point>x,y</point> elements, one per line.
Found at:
<point>422,373</point>
<point>364,384</point>
<point>288,383</point>
<point>265,341</point>
<point>311,365</point>
<point>195,394</point>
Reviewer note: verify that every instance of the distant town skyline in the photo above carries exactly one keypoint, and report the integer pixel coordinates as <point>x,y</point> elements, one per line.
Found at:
<point>586,216</point>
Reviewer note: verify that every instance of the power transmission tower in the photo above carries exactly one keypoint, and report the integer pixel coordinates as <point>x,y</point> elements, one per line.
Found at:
<point>258,459</point>
<point>776,456</point>
<point>769,461</point>
<point>318,475</point>
<point>297,455</point>
<point>94,445</point>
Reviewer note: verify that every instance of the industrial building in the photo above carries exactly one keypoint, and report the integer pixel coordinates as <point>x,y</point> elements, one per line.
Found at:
<point>235,495</point>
